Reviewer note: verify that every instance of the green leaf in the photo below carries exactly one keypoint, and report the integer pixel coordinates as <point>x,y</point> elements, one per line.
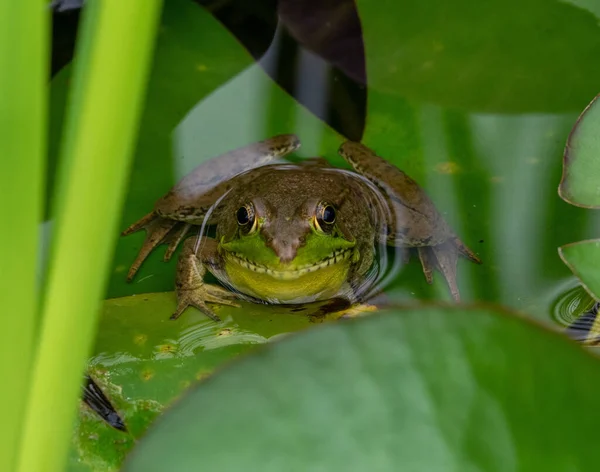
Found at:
<point>583,258</point>
<point>484,59</point>
<point>100,138</point>
<point>581,165</point>
<point>433,389</point>
<point>24,44</point>
<point>143,361</point>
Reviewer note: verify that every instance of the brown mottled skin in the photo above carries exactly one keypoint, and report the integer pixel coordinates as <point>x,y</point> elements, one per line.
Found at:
<point>286,199</point>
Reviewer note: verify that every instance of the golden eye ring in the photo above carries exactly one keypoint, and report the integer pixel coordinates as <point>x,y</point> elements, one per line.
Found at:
<point>246,217</point>
<point>325,217</point>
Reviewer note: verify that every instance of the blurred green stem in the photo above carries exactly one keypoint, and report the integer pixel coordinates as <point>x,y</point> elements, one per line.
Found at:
<point>96,154</point>
<point>23,98</point>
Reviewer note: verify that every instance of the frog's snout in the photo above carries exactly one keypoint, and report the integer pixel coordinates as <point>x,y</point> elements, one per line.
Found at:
<point>285,248</point>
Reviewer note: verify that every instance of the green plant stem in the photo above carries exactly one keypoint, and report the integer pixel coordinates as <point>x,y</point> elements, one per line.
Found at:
<point>23,98</point>
<point>100,138</point>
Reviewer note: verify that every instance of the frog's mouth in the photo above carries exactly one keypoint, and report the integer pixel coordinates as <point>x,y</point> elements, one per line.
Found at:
<point>292,272</point>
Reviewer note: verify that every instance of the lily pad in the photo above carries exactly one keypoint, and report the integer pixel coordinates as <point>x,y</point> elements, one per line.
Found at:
<point>580,183</point>
<point>433,389</point>
<point>143,361</point>
<point>583,258</point>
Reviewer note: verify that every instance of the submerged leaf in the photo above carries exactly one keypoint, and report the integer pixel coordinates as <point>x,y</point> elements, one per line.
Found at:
<point>435,388</point>
<point>580,183</point>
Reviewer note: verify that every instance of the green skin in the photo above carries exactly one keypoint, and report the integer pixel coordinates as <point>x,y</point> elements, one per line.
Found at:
<point>287,252</point>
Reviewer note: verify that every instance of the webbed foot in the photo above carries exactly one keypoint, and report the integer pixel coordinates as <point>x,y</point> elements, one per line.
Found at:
<point>199,296</point>
<point>157,231</point>
<point>177,236</point>
<point>444,257</point>
<point>190,286</point>
<point>464,250</point>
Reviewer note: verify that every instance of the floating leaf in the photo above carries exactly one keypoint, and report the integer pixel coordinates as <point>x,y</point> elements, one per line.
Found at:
<point>580,183</point>
<point>142,361</point>
<point>436,388</point>
<point>583,258</point>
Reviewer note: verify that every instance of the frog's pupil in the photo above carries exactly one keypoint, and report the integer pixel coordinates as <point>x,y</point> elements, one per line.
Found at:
<point>328,214</point>
<point>242,216</point>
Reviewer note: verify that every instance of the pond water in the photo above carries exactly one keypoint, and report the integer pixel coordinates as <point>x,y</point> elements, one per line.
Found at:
<point>474,103</point>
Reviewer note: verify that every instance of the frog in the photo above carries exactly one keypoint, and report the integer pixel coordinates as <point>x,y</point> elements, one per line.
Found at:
<point>293,233</point>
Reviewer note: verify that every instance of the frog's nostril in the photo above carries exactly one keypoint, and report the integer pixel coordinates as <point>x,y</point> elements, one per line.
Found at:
<point>286,254</point>
<point>284,248</point>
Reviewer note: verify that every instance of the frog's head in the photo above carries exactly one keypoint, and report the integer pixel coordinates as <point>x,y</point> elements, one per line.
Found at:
<point>289,242</point>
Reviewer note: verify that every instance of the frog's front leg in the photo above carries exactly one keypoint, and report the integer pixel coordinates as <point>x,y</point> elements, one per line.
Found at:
<point>190,286</point>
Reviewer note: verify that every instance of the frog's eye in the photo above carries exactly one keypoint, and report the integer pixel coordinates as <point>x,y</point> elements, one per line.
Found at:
<point>328,215</point>
<point>245,217</point>
<point>325,217</point>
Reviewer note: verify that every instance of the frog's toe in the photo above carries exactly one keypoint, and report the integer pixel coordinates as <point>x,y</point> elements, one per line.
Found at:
<point>200,296</point>
<point>156,231</point>
<point>189,298</point>
<point>139,224</point>
<point>447,258</point>
<point>220,293</point>
<point>443,258</point>
<point>177,238</point>
<point>464,250</point>
<point>220,301</point>
<point>425,256</point>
